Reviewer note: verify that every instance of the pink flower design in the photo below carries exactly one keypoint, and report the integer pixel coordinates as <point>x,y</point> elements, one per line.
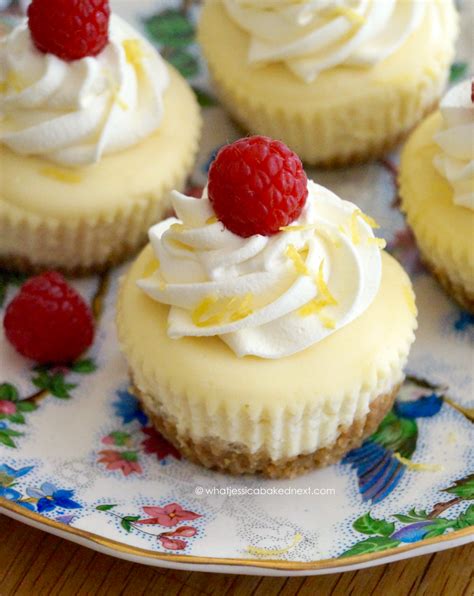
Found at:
<point>117,438</point>
<point>185,531</point>
<point>7,407</point>
<point>168,540</point>
<point>171,544</point>
<point>168,516</point>
<point>126,461</point>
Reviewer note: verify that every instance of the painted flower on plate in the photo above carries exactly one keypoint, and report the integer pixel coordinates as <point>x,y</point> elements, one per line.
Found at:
<point>158,445</point>
<point>464,322</point>
<point>126,461</point>
<point>8,475</point>
<point>117,438</point>
<point>16,497</point>
<point>128,409</point>
<point>169,515</point>
<point>7,407</point>
<point>9,493</point>
<point>49,497</point>
<point>172,544</point>
<point>169,540</point>
<point>65,519</point>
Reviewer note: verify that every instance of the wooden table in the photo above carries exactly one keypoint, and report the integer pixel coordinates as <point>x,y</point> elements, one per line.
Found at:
<point>33,563</point>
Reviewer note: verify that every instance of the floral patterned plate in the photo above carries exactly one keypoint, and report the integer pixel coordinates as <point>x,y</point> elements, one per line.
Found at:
<point>79,459</point>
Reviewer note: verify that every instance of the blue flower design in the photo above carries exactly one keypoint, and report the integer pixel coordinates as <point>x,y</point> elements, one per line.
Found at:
<point>65,519</point>
<point>9,493</point>
<point>423,407</point>
<point>3,425</point>
<point>7,472</point>
<point>7,476</point>
<point>26,505</point>
<point>49,497</point>
<point>13,495</point>
<point>464,321</point>
<point>128,408</point>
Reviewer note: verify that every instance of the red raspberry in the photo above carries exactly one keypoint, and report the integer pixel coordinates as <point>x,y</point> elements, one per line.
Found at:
<point>70,29</point>
<point>256,186</point>
<point>48,321</point>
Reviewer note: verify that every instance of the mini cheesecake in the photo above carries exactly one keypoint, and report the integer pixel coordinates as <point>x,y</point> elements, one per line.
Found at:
<point>89,148</point>
<point>271,352</point>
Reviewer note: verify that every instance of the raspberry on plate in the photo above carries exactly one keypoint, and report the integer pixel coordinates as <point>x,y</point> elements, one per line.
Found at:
<point>48,321</point>
<point>70,29</point>
<point>257,185</point>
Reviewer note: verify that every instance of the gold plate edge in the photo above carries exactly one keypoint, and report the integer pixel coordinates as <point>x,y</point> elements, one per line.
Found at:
<point>195,560</point>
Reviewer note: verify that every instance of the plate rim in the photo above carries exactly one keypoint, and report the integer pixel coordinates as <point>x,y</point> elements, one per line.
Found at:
<point>123,550</point>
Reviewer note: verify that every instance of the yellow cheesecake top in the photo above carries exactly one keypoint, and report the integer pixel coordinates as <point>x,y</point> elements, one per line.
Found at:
<point>34,186</point>
<point>361,356</point>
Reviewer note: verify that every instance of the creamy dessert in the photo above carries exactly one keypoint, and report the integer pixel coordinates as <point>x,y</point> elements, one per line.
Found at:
<point>90,144</point>
<point>275,349</point>
<point>437,190</point>
<point>337,80</point>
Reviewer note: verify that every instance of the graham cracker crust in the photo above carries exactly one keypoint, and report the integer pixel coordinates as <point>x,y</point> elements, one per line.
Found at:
<point>455,290</point>
<point>235,458</point>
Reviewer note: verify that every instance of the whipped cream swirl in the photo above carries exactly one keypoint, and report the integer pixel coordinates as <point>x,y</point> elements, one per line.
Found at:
<point>265,296</point>
<point>316,35</point>
<point>455,162</point>
<point>72,113</point>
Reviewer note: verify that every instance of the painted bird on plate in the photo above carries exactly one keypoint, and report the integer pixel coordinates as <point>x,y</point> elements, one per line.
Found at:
<point>378,468</point>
